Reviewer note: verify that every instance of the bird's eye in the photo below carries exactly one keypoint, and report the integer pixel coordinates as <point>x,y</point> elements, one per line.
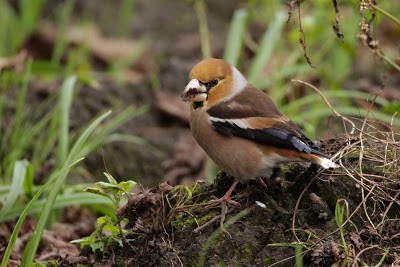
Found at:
<point>211,84</point>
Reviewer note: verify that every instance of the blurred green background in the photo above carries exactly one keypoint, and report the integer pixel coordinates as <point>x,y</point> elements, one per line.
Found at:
<point>65,63</point>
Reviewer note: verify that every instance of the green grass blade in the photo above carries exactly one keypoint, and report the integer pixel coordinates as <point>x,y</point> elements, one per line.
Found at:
<point>28,185</point>
<point>64,17</point>
<point>44,143</point>
<point>126,115</point>
<point>4,189</point>
<point>47,145</point>
<point>267,45</point>
<point>15,139</point>
<point>62,201</point>
<point>128,138</point>
<point>390,61</point>
<point>76,149</point>
<point>236,34</point>
<point>19,111</point>
<point>289,68</point>
<point>126,11</point>
<point>201,12</point>
<point>65,106</point>
<point>298,255</point>
<point>111,125</point>
<point>381,261</point>
<point>387,14</point>
<point>33,243</point>
<point>7,20</point>
<point>312,99</point>
<point>25,212</point>
<point>347,111</point>
<point>30,14</point>
<point>32,134</point>
<point>20,170</point>
<point>2,133</point>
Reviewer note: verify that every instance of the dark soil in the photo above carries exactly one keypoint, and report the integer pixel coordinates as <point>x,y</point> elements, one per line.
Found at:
<point>175,226</point>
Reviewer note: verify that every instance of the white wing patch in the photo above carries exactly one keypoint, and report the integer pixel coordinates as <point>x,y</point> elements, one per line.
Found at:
<point>238,122</point>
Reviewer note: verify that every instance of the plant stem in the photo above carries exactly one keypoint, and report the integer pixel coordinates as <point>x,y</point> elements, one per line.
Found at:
<point>390,16</point>
<point>203,28</point>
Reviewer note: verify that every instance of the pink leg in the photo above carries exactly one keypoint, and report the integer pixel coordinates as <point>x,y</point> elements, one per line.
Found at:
<point>262,184</point>
<point>227,197</point>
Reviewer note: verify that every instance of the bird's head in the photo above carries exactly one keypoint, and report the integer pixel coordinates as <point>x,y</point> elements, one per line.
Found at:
<point>212,81</point>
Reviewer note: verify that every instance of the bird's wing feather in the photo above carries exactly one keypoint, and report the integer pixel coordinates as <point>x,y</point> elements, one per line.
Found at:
<point>278,134</point>
<point>253,115</point>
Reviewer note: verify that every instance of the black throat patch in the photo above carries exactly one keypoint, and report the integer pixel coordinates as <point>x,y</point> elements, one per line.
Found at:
<point>197,105</point>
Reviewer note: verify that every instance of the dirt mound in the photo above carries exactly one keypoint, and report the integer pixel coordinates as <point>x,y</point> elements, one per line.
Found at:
<point>343,216</point>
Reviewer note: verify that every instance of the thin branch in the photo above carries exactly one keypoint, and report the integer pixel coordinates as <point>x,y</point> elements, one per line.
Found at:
<point>328,104</point>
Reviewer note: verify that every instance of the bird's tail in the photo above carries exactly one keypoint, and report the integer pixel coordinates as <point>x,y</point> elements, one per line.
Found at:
<point>325,162</point>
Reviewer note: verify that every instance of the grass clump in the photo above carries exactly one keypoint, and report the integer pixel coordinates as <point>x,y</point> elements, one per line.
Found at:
<point>24,135</point>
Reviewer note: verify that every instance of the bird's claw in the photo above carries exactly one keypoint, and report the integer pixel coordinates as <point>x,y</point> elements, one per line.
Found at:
<point>226,199</point>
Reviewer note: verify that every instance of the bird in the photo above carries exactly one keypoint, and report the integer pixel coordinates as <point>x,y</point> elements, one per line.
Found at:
<point>239,126</point>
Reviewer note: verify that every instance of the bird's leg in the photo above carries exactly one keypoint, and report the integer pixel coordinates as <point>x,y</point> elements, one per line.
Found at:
<point>262,184</point>
<point>227,197</point>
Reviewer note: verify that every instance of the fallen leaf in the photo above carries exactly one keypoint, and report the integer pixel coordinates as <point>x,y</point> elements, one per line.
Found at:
<point>172,105</point>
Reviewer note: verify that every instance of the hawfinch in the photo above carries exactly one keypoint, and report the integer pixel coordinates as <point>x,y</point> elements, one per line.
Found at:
<point>240,127</point>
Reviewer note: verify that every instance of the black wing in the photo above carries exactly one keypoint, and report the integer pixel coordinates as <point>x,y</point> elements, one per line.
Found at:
<point>284,135</point>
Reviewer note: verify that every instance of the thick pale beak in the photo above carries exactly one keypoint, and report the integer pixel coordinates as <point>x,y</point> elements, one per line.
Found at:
<point>194,92</point>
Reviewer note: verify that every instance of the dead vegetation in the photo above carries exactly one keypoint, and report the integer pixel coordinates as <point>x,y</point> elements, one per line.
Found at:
<point>370,160</point>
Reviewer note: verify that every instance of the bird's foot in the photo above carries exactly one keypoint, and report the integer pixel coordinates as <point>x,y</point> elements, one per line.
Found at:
<point>223,201</point>
<point>226,199</point>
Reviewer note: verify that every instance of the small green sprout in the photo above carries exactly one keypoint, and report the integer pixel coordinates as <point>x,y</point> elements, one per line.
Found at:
<point>112,190</point>
<point>342,210</point>
<point>106,233</point>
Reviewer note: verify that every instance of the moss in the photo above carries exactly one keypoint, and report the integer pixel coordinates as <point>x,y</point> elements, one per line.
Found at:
<point>267,260</point>
<point>183,221</point>
<point>206,217</point>
<point>248,251</point>
<point>50,263</point>
<point>221,262</point>
<point>283,169</point>
<point>186,191</point>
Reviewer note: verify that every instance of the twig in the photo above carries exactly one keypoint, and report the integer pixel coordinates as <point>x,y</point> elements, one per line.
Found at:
<point>361,156</point>
<point>222,216</point>
<point>335,27</point>
<point>365,249</point>
<point>201,227</point>
<point>385,213</point>
<point>328,104</point>
<point>303,38</point>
